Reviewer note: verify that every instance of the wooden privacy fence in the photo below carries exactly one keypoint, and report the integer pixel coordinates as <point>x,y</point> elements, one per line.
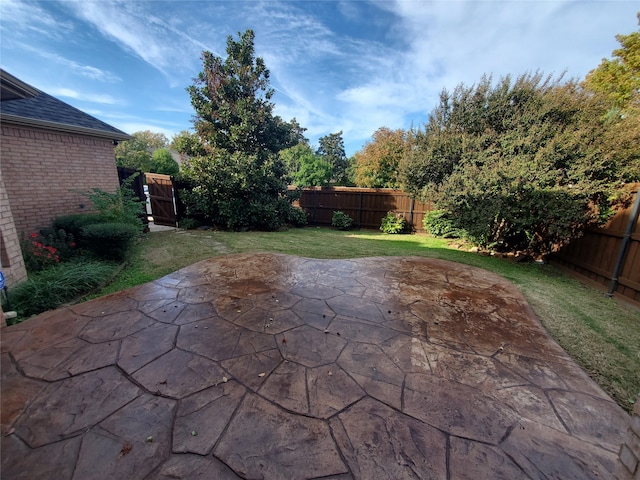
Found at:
<point>366,206</point>
<point>162,196</point>
<point>609,256</point>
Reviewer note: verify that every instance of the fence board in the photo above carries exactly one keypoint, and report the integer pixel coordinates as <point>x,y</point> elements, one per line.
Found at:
<point>366,206</point>
<point>594,256</point>
<point>161,196</point>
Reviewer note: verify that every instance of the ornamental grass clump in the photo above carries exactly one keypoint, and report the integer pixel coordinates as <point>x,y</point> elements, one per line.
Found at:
<point>57,285</point>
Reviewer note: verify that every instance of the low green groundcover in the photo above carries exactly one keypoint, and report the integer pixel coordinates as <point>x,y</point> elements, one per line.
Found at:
<point>55,286</point>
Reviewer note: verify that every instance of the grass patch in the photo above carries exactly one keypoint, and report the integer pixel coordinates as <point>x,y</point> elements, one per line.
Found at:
<point>58,285</point>
<point>601,334</point>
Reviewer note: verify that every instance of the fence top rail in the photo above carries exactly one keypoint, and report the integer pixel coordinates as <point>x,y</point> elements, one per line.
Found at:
<point>350,189</point>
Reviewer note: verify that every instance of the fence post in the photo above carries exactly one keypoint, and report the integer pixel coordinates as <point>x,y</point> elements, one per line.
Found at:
<point>625,245</point>
<point>411,213</point>
<point>360,212</point>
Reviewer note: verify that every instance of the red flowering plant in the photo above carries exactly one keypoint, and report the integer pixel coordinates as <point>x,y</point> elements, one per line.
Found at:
<point>41,251</point>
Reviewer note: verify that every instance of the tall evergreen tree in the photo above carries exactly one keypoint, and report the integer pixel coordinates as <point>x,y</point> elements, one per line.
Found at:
<point>240,182</point>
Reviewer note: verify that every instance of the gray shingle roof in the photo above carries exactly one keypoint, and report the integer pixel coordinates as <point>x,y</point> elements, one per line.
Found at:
<point>39,109</point>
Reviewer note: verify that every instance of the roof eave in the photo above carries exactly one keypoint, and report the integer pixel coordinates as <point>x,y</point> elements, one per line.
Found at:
<point>62,127</point>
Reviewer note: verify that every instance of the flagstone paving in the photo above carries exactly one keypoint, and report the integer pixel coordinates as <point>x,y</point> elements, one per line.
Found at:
<point>278,367</point>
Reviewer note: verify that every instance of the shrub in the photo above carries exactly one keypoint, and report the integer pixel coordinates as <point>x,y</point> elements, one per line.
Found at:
<point>522,164</point>
<point>110,241</point>
<point>297,217</point>
<point>341,221</point>
<point>51,288</point>
<point>189,223</point>
<point>73,224</point>
<point>122,206</point>
<point>38,254</point>
<point>440,224</point>
<point>393,223</point>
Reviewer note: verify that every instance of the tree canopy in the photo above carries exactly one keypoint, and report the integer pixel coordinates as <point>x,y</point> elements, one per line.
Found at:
<point>162,162</point>
<point>138,152</point>
<point>331,150</point>
<point>377,164</point>
<point>306,168</point>
<point>619,77</point>
<point>519,165</point>
<point>240,182</point>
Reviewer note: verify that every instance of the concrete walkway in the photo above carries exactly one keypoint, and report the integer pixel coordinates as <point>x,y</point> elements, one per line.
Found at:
<point>278,367</point>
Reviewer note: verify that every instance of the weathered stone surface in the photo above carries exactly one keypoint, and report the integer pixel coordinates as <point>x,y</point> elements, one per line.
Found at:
<point>440,403</point>
<point>284,446</point>
<point>153,291</point>
<point>128,444</point>
<point>349,306</point>
<point>69,406</point>
<point>593,420</point>
<point>379,442</point>
<point>167,313</point>
<point>195,313</point>
<point>252,370</point>
<point>114,326</point>
<point>56,460</point>
<point>268,321</point>
<point>309,346</point>
<point>194,467</point>
<point>212,338</point>
<point>178,374</point>
<point>287,387</point>
<point>330,390</point>
<point>543,452</point>
<point>17,393</point>
<point>471,460</point>
<point>206,413</point>
<point>146,345</point>
<point>278,367</point>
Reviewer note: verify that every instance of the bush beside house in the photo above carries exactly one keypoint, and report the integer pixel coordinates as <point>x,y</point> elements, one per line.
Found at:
<point>50,151</point>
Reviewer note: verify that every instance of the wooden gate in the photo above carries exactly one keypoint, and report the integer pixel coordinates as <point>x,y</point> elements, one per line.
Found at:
<point>161,194</point>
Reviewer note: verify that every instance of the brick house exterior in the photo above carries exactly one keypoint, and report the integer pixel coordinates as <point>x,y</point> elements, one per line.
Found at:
<point>49,151</point>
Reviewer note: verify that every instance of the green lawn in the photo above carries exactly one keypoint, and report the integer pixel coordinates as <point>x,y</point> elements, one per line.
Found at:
<point>601,334</point>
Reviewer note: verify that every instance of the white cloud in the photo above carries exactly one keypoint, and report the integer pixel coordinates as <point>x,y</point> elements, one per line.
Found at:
<point>138,30</point>
<point>24,18</point>
<point>85,97</point>
<point>87,71</point>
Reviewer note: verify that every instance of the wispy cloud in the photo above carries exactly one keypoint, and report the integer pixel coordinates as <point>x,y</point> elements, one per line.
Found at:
<point>335,65</point>
<point>85,97</point>
<point>21,18</point>
<point>87,71</point>
<point>144,34</point>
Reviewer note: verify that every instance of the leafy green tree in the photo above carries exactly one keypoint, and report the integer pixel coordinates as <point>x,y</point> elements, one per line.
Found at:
<point>137,153</point>
<point>305,168</point>
<point>619,78</point>
<point>240,182</point>
<point>188,144</point>
<point>313,172</point>
<point>163,162</point>
<point>378,162</point>
<point>518,165</point>
<point>331,149</point>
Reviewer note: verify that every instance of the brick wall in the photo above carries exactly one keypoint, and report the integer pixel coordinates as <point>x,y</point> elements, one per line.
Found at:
<point>629,458</point>
<point>11,262</point>
<point>41,169</point>
<point>41,173</point>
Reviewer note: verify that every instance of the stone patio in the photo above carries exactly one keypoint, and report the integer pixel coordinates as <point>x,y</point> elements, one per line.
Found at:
<point>278,367</point>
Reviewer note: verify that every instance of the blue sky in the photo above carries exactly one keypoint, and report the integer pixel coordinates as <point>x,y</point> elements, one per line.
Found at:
<point>352,65</point>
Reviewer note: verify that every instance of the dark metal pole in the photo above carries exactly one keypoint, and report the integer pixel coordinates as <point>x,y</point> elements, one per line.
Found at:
<point>625,245</point>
